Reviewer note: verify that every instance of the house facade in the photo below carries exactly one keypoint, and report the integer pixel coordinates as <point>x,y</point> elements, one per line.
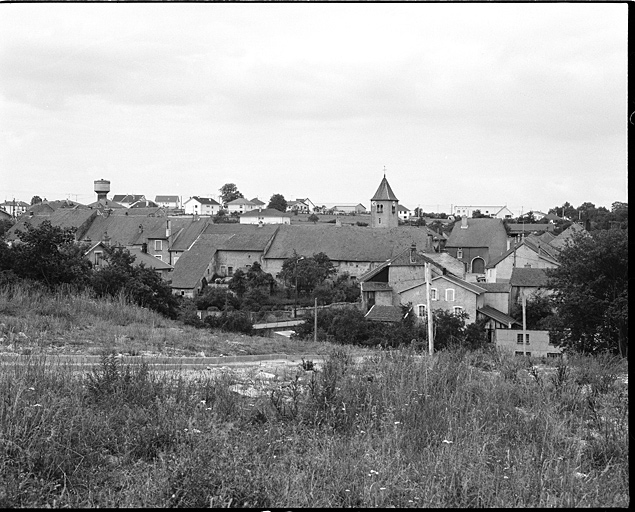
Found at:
<point>173,202</point>
<point>527,254</point>
<point>537,343</point>
<point>240,206</point>
<point>496,212</point>
<point>197,205</point>
<point>265,216</point>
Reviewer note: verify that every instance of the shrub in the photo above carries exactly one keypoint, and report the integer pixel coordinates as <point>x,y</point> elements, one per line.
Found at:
<point>232,321</point>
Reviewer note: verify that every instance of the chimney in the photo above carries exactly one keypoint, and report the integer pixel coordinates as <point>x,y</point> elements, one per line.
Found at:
<point>168,229</point>
<point>140,228</point>
<point>102,187</point>
<point>413,253</point>
<point>464,222</point>
<point>144,248</point>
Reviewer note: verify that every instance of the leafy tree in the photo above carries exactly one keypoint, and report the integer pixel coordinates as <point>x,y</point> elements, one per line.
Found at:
<point>313,218</point>
<point>221,216</point>
<point>259,279</point>
<point>238,283</point>
<point>51,255</point>
<point>278,202</point>
<point>217,297</point>
<point>229,192</point>
<point>36,200</point>
<point>591,292</point>
<point>566,211</point>
<point>476,214</point>
<point>140,284</point>
<point>5,225</point>
<point>538,311</point>
<point>527,218</point>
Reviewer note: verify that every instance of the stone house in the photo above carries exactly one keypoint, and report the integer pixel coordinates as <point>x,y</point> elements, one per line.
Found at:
<point>531,252</point>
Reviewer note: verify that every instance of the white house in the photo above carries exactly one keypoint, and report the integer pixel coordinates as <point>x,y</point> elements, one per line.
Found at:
<point>496,212</point>
<point>265,216</point>
<point>196,205</point>
<point>240,205</point>
<point>168,201</point>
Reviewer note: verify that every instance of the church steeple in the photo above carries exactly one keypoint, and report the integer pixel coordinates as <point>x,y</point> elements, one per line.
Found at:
<point>384,206</point>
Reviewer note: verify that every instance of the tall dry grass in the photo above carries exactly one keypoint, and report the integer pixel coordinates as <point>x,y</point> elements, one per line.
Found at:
<point>460,429</point>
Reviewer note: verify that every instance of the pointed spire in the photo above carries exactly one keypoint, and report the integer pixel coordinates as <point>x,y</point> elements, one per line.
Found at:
<point>384,192</point>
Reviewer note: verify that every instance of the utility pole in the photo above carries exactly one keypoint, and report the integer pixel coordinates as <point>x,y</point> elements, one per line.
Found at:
<point>429,311</point>
<point>524,303</point>
<point>315,322</point>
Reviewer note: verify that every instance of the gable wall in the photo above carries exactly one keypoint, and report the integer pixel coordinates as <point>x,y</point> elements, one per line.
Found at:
<point>524,255</point>
<point>466,299</point>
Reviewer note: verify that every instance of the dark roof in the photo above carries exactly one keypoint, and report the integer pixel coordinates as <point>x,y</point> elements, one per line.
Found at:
<point>384,192</point>
<point>527,276</point>
<point>529,228</point>
<point>497,315</point>
<point>189,269</point>
<point>240,200</point>
<point>128,198</point>
<point>245,237</point>
<point>166,199</point>
<point>373,286</point>
<point>124,230</point>
<point>133,211</point>
<point>257,201</point>
<point>479,233</point>
<point>205,200</point>
<point>542,250</point>
<point>62,217</point>
<point>266,212</point>
<point>148,260</point>
<point>186,231</point>
<point>105,203</point>
<point>384,313</point>
<point>344,243</point>
<point>495,287</point>
<point>560,241</point>
<point>144,203</point>
<point>460,282</point>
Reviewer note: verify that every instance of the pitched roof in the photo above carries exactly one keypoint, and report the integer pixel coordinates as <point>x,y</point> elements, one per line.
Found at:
<point>384,313</point>
<point>544,251</point>
<point>144,203</point>
<point>148,260</point>
<point>515,228</point>
<point>462,283</point>
<point>402,208</point>
<point>105,203</point>
<point>257,201</point>
<point>373,286</point>
<point>128,198</point>
<point>205,200</point>
<point>266,212</point>
<point>479,233</point>
<point>124,230</point>
<point>62,217</point>
<point>527,276</point>
<point>186,231</point>
<point>384,192</point>
<point>561,240</point>
<point>190,267</point>
<point>495,287</point>
<point>244,237</point>
<point>240,200</point>
<point>166,199</point>
<point>343,243</point>
<point>497,315</point>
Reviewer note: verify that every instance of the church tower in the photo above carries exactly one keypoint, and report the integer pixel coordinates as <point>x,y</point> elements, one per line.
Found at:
<point>384,207</point>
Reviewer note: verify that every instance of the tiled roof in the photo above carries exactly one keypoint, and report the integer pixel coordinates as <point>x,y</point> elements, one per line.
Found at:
<point>205,200</point>
<point>372,286</point>
<point>344,243</point>
<point>497,315</point>
<point>124,230</point>
<point>495,287</point>
<point>560,241</point>
<point>479,233</point>
<point>105,203</point>
<point>402,208</point>
<point>545,251</point>
<point>529,228</point>
<point>266,212</point>
<point>144,203</point>
<point>148,260</point>
<point>384,313</point>
<point>186,231</point>
<point>460,282</point>
<point>240,200</point>
<point>156,211</point>
<point>62,217</point>
<point>245,237</point>
<point>534,277</point>
<point>128,198</point>
<point>257,201</point>
<point>384,192</point>
<point>191,265</point>
<point>166,199</point>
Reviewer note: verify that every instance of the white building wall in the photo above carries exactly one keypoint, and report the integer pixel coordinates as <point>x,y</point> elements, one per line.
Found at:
<point>539,345</point>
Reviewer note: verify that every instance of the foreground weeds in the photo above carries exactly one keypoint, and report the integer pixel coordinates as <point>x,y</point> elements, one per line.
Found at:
<point>460,429</point>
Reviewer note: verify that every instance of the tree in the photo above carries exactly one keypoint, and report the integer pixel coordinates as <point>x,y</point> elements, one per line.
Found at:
<point>140,284</point>
<point>51,255</point>
<point>307,273</point>
<point>591,292</point>
<point>229,192</point>
<point>313,218</point>
<point>538,311</point>
<point>5,225</point>
<point>527,218</point>
<point>221,216</point>
<point>278,202</point>
<point>476,214</point>
<point>238,283</point>
<point>566,211</point>
<point>36,200</point>
<point>259,279</point>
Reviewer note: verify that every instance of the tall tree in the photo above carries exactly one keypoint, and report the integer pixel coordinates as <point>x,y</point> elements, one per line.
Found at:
<point>591,292</point>
<point>278,202</point>
<point>229,192</point>
<point>36,200</point>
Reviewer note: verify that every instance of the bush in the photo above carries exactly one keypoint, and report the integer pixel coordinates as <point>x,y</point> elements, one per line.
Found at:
<point>232,321</point>
<point>216,297</point>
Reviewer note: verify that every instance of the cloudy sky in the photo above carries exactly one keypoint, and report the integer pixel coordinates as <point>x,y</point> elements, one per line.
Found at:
<point>481,104</point>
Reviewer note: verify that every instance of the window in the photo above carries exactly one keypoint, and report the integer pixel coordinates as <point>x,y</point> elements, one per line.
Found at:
<point>159,257</point>
<point>457,310</point>
<point>230,271</point>
<point>223,270</point>
<point>449,295</point>
<point>421,310</point>
<point>520,353</point>
<point>380,208</point>
<point>519,338</point>
<point>554,355</point>
<point>99,255</point>
<point>434,294</point>
<point>459,253</point>
<point>158,245</point>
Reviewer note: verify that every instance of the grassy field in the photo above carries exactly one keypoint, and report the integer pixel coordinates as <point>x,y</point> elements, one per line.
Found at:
<point>33,322</point>
<point>398,429</point>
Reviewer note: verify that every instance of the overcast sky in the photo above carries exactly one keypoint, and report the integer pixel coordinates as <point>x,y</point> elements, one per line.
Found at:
<point>477,104</point>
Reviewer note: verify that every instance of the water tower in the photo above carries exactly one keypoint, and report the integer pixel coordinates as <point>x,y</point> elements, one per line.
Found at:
<point>102,187</point>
